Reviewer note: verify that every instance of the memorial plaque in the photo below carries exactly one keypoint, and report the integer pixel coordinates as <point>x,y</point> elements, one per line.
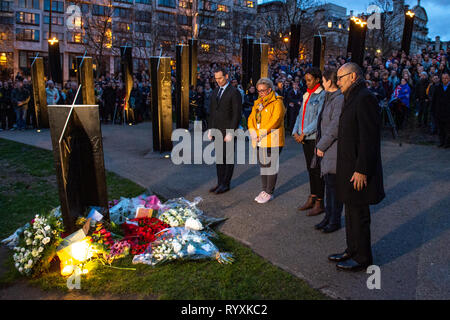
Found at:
<point>54,60</point>
<point>161,89</point>
<point>86,79</point>
<point>319,52</point>
<point>407,31</point>
<point>260,61</point>
<point>247,62</point>
<point>193,61</point>
<point>39,93</point>
<point>356,40</point>
<point>78,153</point>
<point>127,78</point>
<point>182,87</point>
<point>295,42</point>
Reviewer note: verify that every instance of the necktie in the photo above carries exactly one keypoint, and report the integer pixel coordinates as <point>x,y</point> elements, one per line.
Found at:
<point>219,94</point>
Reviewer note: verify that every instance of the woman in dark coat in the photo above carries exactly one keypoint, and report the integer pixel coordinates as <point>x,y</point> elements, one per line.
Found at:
<point>359,172</point>
<point>326,150</point>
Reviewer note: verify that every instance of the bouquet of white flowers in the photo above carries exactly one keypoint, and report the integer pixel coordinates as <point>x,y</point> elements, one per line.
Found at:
<point>37,244</point>
<point>181,243</point>
<point>181,212</point>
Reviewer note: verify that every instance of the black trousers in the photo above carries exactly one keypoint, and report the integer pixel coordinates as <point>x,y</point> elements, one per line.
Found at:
<point>226,167</point>
<point>333,207</point>
<point>2,116</point>
<point>443,128</point>
<point>292,113</point>
<point>268,159</point>
<point>357,228</point>
<point>316,183</point>
<point>423,109</point>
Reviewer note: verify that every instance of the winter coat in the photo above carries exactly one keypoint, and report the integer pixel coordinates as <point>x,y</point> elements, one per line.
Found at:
<point>313,109</point>
<point>328,125</point>
<point>359,147</point>
<point>271,128</point>
<point>441,103</point>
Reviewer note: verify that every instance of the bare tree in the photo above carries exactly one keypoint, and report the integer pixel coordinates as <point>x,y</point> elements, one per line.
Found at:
<point>96,30</point>
<point>385,37</point>
<point>275,25</point>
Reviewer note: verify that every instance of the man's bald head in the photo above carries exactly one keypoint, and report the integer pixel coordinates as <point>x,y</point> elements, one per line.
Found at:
<point>353,67</point>
<point>348,74</point>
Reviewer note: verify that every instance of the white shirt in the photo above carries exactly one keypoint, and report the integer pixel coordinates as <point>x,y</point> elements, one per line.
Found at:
<point>223,89</point>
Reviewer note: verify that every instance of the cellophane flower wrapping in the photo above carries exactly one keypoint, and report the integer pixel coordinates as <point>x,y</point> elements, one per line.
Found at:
<point>181,212</point>
<point>142,231</point>
<point>125,208</point>
<point>181,243</point>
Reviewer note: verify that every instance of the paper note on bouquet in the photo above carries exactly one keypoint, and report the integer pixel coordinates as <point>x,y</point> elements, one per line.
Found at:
<point>95,215</point>
<point>142,212</point>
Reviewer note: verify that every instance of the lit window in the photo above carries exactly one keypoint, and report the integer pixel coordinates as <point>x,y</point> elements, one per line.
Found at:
<point>222,8</point>
<point>340,26</point>
<point>205,47</point>
<point>250,4</point>
<point>330,24</point>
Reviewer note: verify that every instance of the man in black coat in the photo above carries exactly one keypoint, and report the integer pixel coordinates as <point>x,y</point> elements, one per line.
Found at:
<point>224,118</point>
<point>441,105</point>
<point>294,100</point>
<point>359,173</point>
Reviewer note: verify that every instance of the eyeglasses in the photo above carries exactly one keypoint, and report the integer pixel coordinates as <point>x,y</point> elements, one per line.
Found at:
<point>265,90</point>
<point>340,77</point>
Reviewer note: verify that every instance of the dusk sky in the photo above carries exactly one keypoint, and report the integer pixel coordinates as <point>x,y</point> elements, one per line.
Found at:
<point>438,12</point>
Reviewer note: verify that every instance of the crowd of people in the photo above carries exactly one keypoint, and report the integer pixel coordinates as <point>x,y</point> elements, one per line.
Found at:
<point>408,85</point>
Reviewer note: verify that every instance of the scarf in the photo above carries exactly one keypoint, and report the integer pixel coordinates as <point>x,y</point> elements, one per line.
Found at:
<point>310,92</point>
<point>262,104</point>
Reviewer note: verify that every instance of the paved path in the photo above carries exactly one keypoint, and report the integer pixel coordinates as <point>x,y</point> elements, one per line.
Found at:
<point>410,228</point>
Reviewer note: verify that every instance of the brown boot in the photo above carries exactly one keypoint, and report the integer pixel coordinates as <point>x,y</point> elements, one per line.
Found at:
<point>308,204</point>
<point>317,209</point>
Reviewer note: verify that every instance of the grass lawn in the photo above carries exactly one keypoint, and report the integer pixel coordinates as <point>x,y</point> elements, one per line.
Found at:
<point>28,186</point>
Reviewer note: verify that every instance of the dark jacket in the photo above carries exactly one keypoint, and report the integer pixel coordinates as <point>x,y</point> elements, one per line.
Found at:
<point>20,95</point>
<point>109,97</point>
<point>378,91</point>
<point>249,100</point>
<point>421,89</point>
<point>136,99</point>
<point>359,147</point>
<point>295,98</point>
<point>227,113</point>
<point>441,103</point>
<point>327,130</point>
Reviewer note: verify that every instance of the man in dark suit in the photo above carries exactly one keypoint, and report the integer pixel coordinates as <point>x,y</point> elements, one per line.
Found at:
<point>225,115</point>
<point>441,105</point>
<point>359,173</point>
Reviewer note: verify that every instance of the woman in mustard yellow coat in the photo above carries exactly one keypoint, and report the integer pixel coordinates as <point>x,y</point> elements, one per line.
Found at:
<point>266,128</point>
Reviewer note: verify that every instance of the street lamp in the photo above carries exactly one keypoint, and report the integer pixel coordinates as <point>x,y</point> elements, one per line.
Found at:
<point>286,39</point>
<point>410,13</point>
<point>3,59</point>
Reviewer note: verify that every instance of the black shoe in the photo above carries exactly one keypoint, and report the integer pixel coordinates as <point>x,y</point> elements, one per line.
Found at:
<point>222,189</point>
<point>214,189</point>
<point>351,265</point>
<point>331,228</point>
<point>338,257</point>
<point>321,225</point>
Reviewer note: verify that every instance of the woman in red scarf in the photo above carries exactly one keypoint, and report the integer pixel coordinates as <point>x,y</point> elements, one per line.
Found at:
<point>305,133</point>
